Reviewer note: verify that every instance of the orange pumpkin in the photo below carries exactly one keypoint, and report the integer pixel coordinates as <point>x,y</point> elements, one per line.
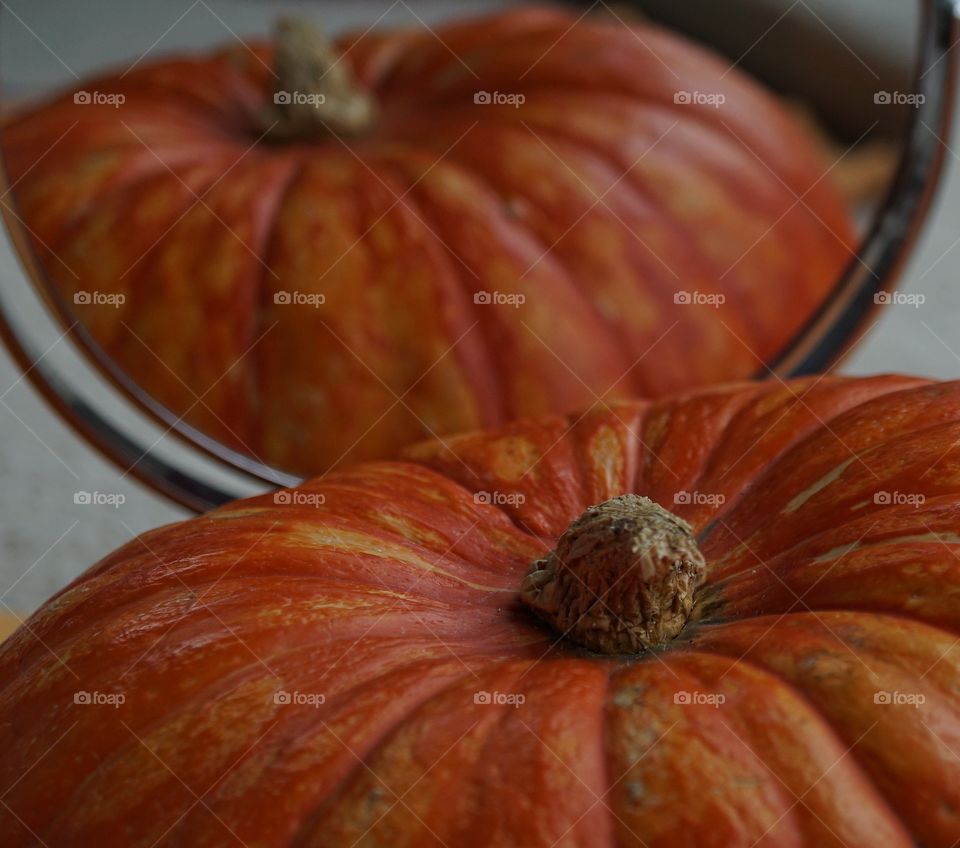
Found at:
<point>477,261</point>
<point>371,659</point>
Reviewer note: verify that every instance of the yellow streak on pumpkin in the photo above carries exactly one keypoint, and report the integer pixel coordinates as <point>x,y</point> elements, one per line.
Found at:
<point>226,514</point>
<point>819,486</point>
<point>839,552</point>
<point>933,538</point>
<point>411,531</point>
<point>363,602</point>
<point>606,450</point>
<point>512,457</point>
<point>435,495</point>
<point>366,600</point>
<point>770,402</point>
<point>351,543</point>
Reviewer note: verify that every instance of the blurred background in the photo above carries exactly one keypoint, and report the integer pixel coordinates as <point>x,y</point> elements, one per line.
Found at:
<point>831,55</point>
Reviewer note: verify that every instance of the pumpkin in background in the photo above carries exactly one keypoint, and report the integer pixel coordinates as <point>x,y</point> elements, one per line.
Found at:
<point>478,261</point>
<point>352,663</point>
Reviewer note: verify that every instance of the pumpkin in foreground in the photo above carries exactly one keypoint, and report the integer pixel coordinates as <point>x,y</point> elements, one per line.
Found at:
<point>753,639</point>
<point>423,248</point>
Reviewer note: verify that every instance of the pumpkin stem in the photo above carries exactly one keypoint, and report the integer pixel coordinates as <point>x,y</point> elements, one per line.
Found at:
<point>316,94</point>
<point>621,579</point>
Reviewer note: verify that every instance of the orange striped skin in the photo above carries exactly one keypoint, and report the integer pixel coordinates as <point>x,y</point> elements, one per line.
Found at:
<point>597,200</point>
<point>395,597</point>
